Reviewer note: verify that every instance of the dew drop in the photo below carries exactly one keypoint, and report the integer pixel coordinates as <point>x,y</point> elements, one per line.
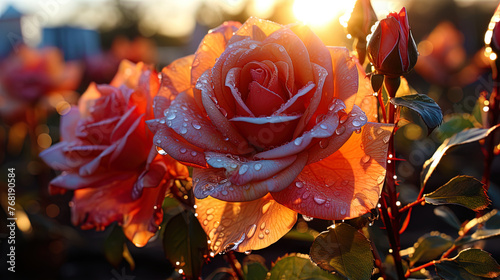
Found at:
<point>158,141</point>
<point>319,200</point>
<point>196,62</point>
<point>251,230</point>
<point>248,252</point>
<point>261,235</point>
<point>205,222</point>
<point>343,118</point>
<point>386,139</point>
<point>365,158</point>
<point>162,121</point>
<point>194,153</point>
<point>267,231</point>
<point>257,166</point>
<point>224,192</point>
<point>183,107</point>
<point>210,211</point>
<point>233,165</point>
<point>243,169</point>
<point>340,130</point>
<point>299,184</point>
<point>263,226</point>
<point>196,125</point>
<point>297,141</point>
<point>343,211</point>
<point>323,143</point>
<point>183,130</point>
<point>307,218</point>
<point>305,195</point>
<point>210,217</point>
<point>170,116</point>
<point>183,150</point>
<point>379,131</point>
<point>362,117</point>
<point>265,207</point>
<point>252,46</point>
<point>356,123</point>
<point>380,179</point>
<point>358,131</point>
<point>161,151</point>
<point>323,126</point>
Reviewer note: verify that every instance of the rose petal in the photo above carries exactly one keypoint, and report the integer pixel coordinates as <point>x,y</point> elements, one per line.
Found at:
<point>243,226</point>
<point>128,74</point>
<point>74,181</point>
<point>184,118</point>
<point>365,98</point>
<point>87,100</point>
<point>266,132</point>
<point>254,28</point>
<point>214,182</point>
<point>58,158</point>
<point>347,183</point>
<point>345,76</point>
<point>323,129</point>
<point>175,78</point>
<point>211,48</point>
<point>218,119</point>
<point>177,147</point>
<point>390,34</point>
<point>242,172</point>
<point>262,101</point>
<point>133,148</point>
<point>68,124</point>
<point>348,124</point>
<point>232,78</point>
<point>140,219</point>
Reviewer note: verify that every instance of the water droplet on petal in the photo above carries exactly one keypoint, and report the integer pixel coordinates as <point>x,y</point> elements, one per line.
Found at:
<point>196,125</point>
<point>319,200</point>
<point>340,130</point>
<point>205,222</point>
<point>243,169</point>
<point>343,211</point>
<point>379,131</point>
<point>307,218</point>
<point>386,139</point>
<point>356,123</point>
<point>323,126</point>
<point>265,207</point>
<point>183,107</point>
<point>257,166</point>
<point>261,235</point>
<point>224,192</point>
<point>343,118</point>
<point>297,141</point>
<point>194,153</point>
<point>170,116</point>
<point>183,150</point>
<point>252,46</point>
<point>183,130</point>
<point>161,151</point>
<point>362,117</point>
<point>267,231</point>
<point>251,230</point>
<point>248,252</point>
<point>380,179</point>
<point>365,158</point>
<point>299,184</point>
<point>305,195</point>
<point>263,226</point>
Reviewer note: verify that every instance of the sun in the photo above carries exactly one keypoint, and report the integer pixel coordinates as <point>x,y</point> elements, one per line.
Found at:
<point>320,12</point>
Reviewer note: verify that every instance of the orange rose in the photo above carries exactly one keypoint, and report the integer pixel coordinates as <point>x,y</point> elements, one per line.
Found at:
<point>107,157</point>
<point>28,75</point>
<point>266,113</point>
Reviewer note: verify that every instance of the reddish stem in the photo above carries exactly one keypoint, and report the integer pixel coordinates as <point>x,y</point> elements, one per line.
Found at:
<point>410,271</point>
<point>235,264</point>
<point>409,205</point>
<point>382,105</point>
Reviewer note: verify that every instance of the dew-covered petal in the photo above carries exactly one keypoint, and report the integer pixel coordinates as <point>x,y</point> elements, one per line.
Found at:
<point>365,98</point>
<point>74,181</point>
<point>211,48</point>
<point>255,27</point>
<point>99,207</point>
<point>346,184</point>
<point>232,82</point>
<point>347,125</point>
<point>87,100</point>
<point>243,226</point>
<point>266,132</point>
<point>185,119</point>
<point>177,147</point>
<point>58,157</point>
<point>69,121</point>
<point>214,182</point>
<point>262,101</point>
<point>345,76</point>
<point>240,171</point>
<point>323,129</point>
<point>219,120</point>
<point>175,78</point>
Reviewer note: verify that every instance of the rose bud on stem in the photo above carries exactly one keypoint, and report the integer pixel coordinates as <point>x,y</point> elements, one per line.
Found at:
<point>362,18</point>
<point>393,52</point>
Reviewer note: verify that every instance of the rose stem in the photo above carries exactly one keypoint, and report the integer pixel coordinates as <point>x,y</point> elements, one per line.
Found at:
<point>392,218</point>
<point>235,264</point>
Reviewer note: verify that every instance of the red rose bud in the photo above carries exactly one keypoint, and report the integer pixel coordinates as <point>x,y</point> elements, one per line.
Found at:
<point>392,49</point>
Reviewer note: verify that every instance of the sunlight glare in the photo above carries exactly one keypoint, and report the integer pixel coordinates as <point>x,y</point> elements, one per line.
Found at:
<point>320,12</point>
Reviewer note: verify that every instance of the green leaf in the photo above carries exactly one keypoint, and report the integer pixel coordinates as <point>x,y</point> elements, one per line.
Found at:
<point>254,268</point>
<point>462,190</point>
<point>307,236</point>
<point>425,106</point>
<point>478,262</point>
<point>450,270</point>
<point>344,250</point>
<point>114,246</point>
<point>448,216</point>
<point>430,247</point>
<point>455,123</point>
<point>184,241</point>
<point>299,267</point>
<point>463,137</point>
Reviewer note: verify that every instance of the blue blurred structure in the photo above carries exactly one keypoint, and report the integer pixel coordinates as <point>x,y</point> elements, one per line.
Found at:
<point>10,31</point>
<point>76,43</point>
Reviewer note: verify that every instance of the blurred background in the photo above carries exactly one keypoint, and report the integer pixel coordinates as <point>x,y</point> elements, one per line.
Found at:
<point>88,39</point>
